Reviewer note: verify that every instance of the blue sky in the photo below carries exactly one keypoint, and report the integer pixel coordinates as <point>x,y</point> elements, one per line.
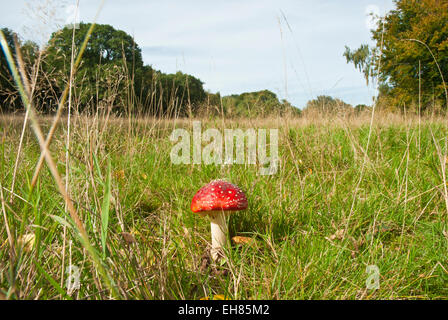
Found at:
<point>232,46</point>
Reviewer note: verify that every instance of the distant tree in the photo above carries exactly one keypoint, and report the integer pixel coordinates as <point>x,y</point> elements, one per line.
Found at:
<point>110,62</point>
<point>363,59</point>
<point>145,89</point>
<point>289,109</point>
<point>257,104</point>
<point>112,72</point>
<point>326,105</point>
<point>213,99</point>
<point>9,98</point>
<point>8,92</point>
<point>404,40</point>
<point>179,94</point>
<point>361,108</point>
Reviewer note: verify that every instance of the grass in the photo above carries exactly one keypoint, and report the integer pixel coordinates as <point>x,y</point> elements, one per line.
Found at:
<point>331,210</point>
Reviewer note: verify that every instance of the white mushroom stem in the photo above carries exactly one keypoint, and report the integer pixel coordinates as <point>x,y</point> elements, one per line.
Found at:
<point>218,226</point>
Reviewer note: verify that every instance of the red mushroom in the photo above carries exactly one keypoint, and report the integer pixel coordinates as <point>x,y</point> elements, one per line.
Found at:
<point>216,200</point>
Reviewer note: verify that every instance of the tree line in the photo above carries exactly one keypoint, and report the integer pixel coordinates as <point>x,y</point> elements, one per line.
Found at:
<point>112,75</point>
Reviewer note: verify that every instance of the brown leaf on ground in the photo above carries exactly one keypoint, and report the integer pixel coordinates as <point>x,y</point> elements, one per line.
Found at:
<point>220,272</point>
<point>205,262</point>
<point>220,297</point>
<point>339,234</point>
<point>216,297</point>
<point>128,237</point>
<point>242,240</point>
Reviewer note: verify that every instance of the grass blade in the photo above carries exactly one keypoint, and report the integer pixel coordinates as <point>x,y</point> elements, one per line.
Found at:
<point>105,209</point>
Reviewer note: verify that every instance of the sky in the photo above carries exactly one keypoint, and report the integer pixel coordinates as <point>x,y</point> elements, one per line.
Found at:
<point>292,47</point>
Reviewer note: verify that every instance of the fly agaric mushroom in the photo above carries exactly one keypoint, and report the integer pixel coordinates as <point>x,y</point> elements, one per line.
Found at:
<point>216,200</point>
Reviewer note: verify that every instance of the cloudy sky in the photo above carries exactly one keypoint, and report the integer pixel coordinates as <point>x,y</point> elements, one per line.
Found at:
<point>291,47</point>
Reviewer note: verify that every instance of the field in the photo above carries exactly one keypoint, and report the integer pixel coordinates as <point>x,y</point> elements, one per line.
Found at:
<point>349,194</point>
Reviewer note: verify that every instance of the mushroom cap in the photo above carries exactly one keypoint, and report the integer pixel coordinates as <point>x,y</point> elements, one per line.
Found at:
<point>218,196</point>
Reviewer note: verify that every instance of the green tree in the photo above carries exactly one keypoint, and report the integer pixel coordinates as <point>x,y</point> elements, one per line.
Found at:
<point>112,73</point>
<point>109,66</point>
<point>359,108</point>
<point>257,104</point>
<point>176,94</point>
<point>410,54</point>
<point>9,98</point>
<point>7,89</point>
<point>326,105</point>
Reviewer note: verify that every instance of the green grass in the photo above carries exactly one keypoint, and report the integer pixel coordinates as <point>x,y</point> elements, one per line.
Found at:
<point>316,228</point>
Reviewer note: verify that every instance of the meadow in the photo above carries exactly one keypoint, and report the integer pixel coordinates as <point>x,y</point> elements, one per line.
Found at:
<point>350,192</point>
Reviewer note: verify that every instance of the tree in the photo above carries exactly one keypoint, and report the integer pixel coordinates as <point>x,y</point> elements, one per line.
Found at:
<point>174,94</point>
<point>410,54</point>
<point>326,105</point>
<point>7,89</point>
<point>363,59</point>
<point>259,103</point>
<point>112,73</point>
<point>360,108</point>
<point>110,62</point>
<point>9,97</point>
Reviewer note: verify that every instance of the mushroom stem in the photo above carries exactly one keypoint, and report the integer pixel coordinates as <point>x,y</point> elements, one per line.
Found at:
<point>218,226</point>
